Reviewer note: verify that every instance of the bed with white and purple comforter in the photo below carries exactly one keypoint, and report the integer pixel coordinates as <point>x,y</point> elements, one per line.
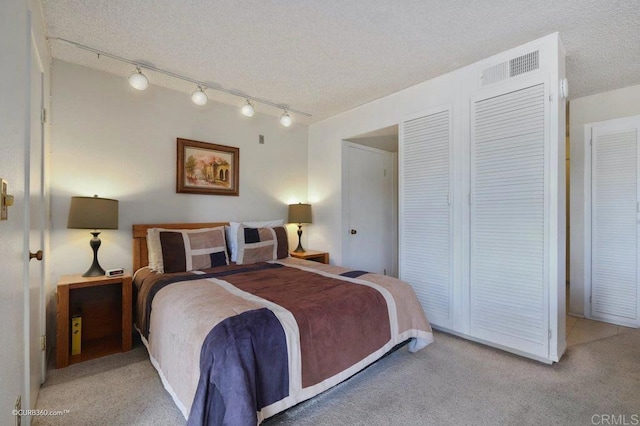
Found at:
<point>235,344</point>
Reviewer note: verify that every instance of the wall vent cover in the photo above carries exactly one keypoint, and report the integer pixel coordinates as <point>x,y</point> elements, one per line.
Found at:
<point>511,68</point>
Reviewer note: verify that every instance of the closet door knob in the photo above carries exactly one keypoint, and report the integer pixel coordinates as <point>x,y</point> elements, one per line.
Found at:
<point>353,232</point>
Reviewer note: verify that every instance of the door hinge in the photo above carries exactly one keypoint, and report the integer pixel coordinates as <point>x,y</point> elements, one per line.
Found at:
<point>449,199</point>
<point>550,98</point>
<point>549,334</point>
<point>43,342</point>
<point>44,115</point>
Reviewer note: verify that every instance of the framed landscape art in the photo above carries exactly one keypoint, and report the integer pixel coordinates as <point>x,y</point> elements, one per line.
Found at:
<point>207,168</point>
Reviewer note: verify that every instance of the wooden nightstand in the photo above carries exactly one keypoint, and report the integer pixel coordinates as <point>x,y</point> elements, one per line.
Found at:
<point>315,255</point>
<point>105,304</point>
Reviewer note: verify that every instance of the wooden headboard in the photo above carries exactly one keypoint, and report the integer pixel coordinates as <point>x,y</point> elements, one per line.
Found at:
<point>140,252</point>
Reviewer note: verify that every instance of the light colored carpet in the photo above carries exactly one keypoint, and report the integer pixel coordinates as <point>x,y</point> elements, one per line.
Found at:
<point>453,381</point>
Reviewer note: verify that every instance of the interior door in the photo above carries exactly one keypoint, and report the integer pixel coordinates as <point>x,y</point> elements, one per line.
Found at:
<point>35,194</point>
<point>426,256</point>
<point>509,283</point>
<point>614,222</point>
<point>369,205</point>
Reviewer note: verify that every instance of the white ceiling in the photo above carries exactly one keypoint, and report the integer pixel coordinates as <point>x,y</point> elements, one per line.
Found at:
<point>328,56</point>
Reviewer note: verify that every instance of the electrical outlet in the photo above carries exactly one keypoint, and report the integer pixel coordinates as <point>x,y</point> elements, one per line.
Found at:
<point>261,139</point>
<point>17,410</point>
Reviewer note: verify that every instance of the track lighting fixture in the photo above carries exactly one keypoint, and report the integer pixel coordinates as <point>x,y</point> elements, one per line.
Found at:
<point>198,97</point>
<point>285,119</point>
<point>137,80</point>
<point>247,109</point>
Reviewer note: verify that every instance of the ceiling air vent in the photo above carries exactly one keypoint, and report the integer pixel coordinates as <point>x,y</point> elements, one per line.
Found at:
<point>511,68</point>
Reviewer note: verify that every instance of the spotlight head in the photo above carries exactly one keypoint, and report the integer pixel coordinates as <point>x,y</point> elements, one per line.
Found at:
<point>199,97</point>
<point>247,109</point>
<point>138,81</point>
<point>285,119</point>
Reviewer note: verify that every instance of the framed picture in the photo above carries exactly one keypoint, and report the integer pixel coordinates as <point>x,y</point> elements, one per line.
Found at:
<point>207,168</point>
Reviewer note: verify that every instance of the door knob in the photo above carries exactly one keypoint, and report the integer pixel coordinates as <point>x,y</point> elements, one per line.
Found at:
<point>354,232</point>
<point>37,255</point>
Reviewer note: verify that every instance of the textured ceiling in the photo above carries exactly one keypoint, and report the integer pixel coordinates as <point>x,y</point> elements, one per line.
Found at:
<point>328,56</point>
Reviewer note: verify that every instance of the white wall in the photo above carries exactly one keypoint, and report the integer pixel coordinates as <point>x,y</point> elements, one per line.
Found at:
<point>589,109</point>
<point>111,140</point>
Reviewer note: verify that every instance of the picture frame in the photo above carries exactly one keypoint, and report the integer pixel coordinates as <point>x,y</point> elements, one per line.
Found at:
<point>207,168</point>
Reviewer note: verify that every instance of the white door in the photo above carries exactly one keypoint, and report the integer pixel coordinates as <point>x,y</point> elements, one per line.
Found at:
<point>614,222</point>
<point>508,277</point>
<point>34,193</point>
<point>369,201</point>
<point>425,258</point>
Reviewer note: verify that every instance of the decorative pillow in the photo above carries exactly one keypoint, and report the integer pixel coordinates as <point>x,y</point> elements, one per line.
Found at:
<point>261,244</point>
<point>232,233</point>
<point>186,250</point>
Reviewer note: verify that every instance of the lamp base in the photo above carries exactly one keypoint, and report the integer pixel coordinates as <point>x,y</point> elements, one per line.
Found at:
<point>95,270</point>
<point>299,249</point>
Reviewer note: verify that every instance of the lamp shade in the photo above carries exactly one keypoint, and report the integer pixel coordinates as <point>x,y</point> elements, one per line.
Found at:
<point>300,213</point>
<point>93,213</point>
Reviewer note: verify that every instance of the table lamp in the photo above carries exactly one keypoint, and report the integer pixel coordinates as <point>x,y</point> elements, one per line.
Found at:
<point>300,213</point>
<point>93,213</point>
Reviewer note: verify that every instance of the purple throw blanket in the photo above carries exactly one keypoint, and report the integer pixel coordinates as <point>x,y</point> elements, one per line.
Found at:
<point>243,368</point>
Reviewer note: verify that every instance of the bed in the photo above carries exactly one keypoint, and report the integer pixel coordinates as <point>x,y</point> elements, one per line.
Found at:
<point>240,342</point>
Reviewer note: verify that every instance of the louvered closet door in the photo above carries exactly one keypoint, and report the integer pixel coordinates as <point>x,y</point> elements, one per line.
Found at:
<point>508,289</point>
<point>614,224</point>
<point>425,212</point>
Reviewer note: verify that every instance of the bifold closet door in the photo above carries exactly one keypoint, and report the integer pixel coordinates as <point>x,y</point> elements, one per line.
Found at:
<point>614,222</point>
<point>425,258</point>
<point>508,285</point>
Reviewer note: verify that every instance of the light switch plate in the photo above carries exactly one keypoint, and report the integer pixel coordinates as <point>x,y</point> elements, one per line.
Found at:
<point>3,195</point>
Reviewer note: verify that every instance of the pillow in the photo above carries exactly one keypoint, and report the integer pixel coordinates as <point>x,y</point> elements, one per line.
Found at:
<point>183,250</point>
<point>154,250</point>
<point>232,233</point>
<point>261,244</point>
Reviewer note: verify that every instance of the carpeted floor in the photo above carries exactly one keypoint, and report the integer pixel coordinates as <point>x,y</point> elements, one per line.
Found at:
<point>453,381</point>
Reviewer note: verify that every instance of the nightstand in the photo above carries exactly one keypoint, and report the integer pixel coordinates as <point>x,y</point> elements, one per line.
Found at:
<point>105,305</point>
<point>315,255</point>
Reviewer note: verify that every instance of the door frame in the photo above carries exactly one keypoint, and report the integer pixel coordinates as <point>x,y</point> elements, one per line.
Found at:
<point>588,153</point>
<point>393,156</point>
